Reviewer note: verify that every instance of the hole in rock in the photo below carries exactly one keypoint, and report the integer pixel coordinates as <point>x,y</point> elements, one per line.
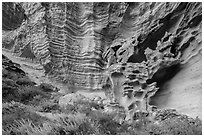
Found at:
<point>167,24</point>
<point>185,45</point>
<point>131,106</point>
<point>138,94</point>
<point>135,83</point>
<point>162,76</point>
<point>123,68</point>
<point>115,48</point>
<point>131,77</point>
<point>133,42</point>
<point>136,71</point>
<point>128,87</point>
<point>174,46</point>
<point>137,58</point>
<point>166,38</point>
<point>195,21</point>
<point>144,86</point>
<point>116,74</point>
<point>128,93</point>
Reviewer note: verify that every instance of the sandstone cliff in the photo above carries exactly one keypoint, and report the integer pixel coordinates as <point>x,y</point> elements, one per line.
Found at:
<point>140,53</point>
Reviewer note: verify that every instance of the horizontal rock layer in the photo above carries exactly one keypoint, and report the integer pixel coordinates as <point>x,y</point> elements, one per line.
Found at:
<point>126,48</point>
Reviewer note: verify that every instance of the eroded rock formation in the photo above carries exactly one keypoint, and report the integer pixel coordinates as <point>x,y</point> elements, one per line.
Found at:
<point>129,50</point>
<point>13,15</point>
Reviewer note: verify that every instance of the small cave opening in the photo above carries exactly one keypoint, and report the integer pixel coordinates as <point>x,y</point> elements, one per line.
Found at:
<point>116,74</point>
<point>165,25</point>
<point>139,95</point>
<point>175,45</point>
<point>137,58</point>
<point>195,21</point>
<point>115,48</point>
<point>161,77</point>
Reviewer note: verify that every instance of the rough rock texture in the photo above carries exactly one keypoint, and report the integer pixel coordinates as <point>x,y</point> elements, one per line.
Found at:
<point>132,51</point>
<point>8,65</point>
<point>70,99</point>
<point>13,15</point>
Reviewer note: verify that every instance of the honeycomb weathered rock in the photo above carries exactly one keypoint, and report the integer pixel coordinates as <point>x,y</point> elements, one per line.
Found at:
<point>126,48</point>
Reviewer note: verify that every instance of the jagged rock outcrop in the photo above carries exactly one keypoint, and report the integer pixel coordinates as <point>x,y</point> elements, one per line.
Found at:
<point>8,65</point>
<point>130,50</point>
<point>13,15</point>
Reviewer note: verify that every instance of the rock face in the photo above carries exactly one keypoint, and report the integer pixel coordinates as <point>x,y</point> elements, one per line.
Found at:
<point>8,65</point>
<point>132,51</point>
<point>13,15</point>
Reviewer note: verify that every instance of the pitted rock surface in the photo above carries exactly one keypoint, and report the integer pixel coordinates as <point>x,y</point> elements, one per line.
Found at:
<point>139,54</point>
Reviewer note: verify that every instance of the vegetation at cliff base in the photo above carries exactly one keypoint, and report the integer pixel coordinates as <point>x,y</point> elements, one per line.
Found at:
<point>30,109</point>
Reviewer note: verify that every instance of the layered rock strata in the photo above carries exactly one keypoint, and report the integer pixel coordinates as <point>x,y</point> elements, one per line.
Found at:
<point>127,49</point>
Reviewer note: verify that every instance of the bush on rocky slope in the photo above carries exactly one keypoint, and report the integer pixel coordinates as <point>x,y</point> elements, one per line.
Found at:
<point>29,109</point>
<point>92,121</point>
<point>176,126</point>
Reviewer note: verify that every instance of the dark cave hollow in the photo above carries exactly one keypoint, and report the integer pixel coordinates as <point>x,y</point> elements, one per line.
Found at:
<point>161,77</point>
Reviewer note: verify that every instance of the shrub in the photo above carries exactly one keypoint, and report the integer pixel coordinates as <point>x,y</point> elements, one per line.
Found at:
<point>49,106</point>
<point>82,106</point>
<point>9,90</point>
<point>73,124</point>
<point>27,127</point>
<point>181,125</point>
<point>17,91</point>
<point>27,93</point>
<point>25,81</point>
<point>15,111</point>
<point>47,87</point>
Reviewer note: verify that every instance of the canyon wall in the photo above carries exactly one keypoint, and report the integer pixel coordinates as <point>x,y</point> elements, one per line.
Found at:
<point>139,53</point>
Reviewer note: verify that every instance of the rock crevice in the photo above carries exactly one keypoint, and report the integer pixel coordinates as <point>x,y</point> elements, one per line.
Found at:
<point>127,50</point>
